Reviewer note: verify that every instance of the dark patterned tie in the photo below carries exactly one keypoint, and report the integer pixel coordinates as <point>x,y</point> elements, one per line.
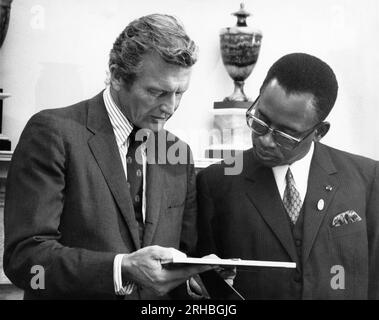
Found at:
<point>291,199</point>
<point>135,178</point>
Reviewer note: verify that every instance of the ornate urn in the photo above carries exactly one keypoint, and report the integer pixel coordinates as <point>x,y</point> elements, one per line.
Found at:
<point>240,46</point>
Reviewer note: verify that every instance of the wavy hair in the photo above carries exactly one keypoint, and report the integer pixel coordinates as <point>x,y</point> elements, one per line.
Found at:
<point>159,33</point>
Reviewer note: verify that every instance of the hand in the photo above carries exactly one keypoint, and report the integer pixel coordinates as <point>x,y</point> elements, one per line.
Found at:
<point>145,268</point>
<point>196,289</point>
<point>228,273</point>
<point>195,286</point>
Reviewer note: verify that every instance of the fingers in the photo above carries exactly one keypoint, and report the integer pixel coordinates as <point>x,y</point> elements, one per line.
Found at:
<point>164,288</point>
<point>195,287</point>
<point>145,268</point>
<point>227,273</point>
<point>211,256</point>
<point>165,255</point>
<point>166,281</point>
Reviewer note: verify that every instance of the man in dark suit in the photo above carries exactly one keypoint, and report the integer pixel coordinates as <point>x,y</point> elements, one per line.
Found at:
<point>295,199</point>
<point>94,206</point>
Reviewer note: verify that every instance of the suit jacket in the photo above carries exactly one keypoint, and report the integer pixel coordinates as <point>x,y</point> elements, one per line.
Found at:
<point>68,208</point>
<point>242,216</point>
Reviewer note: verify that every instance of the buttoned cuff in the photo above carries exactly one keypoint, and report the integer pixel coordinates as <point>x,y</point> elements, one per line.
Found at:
<point>119,288</point>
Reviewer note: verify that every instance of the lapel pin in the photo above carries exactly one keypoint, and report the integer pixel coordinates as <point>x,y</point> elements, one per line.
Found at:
<point>320,204</point>
<point>329,188</point>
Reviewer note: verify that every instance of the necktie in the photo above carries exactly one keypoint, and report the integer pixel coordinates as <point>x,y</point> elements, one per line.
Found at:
<point>291,199</point>
<point>135,177</point>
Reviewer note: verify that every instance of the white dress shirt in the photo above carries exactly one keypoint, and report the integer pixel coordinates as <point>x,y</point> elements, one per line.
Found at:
<point>300,173</point>
<point>122,128</point>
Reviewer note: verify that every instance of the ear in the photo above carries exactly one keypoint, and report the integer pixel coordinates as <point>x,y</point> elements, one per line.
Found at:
<point>321,131</point>
<point>116,80</point>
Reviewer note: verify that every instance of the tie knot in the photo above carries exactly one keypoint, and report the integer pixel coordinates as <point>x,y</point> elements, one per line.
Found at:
<point>132,134</point>
<point>289,177</point>
<point>136,139</point>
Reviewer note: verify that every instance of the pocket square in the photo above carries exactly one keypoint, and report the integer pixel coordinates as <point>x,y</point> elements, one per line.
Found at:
<point>346,217</point>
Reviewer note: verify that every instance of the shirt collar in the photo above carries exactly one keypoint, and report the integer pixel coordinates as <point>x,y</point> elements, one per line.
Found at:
<point>300,171</point>
<point>122,127</point>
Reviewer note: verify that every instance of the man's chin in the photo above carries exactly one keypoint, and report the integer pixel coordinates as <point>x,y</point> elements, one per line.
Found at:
<point>265,160</point>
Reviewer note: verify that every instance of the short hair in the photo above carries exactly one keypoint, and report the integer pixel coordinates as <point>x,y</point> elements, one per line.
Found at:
<point>304,73</point>
<point>159,33</point>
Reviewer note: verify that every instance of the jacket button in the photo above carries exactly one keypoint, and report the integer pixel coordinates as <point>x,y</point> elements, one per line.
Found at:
<point>298,243</point>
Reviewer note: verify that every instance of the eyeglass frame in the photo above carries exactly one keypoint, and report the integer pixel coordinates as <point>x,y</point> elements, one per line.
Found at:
<point>272,131</point>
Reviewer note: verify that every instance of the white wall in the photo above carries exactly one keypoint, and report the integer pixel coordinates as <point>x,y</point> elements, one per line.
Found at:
<point>56,54</point>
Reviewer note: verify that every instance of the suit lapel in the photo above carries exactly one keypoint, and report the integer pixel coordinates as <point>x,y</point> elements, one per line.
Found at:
<point>104,148</point>
<point>322,186</point>
<point>262,191</point>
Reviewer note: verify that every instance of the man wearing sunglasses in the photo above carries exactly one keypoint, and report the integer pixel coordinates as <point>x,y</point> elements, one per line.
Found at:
<point>295,199</point>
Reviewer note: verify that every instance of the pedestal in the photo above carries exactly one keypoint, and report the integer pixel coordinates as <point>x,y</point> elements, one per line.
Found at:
<point>5,159</point>
<point>8,291</point>
<point>5,142</point>
<point>230,133</point>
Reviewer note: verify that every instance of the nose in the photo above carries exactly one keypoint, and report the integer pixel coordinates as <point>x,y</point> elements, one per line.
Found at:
<point>268,140</point>
<point>169,104</point>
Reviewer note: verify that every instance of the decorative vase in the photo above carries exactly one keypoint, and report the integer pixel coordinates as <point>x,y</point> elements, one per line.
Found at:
<point>240,46</point>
